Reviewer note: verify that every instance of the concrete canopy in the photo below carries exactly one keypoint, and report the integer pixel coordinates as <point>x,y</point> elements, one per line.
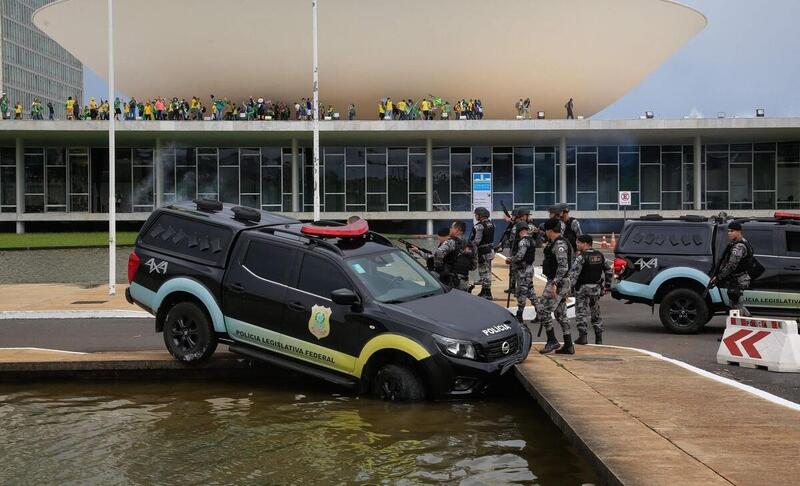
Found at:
<point>498,51</point>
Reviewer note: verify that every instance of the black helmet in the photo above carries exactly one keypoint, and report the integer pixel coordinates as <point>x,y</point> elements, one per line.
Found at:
<point>519,227</point>
<point>521,212</point>
<point>482,212</point>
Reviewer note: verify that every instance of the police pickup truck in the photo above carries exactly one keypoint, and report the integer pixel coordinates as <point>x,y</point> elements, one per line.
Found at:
<point>669,262</point>
<point>336,302</point>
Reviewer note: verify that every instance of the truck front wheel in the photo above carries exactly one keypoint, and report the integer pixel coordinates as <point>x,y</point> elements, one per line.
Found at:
<point>397,383</point>
<point>683,311</point>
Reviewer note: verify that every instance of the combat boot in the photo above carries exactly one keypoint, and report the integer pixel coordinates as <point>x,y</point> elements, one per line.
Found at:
<point>582,338</point>
<point>519,315</point>
<point>567,348</point>
<point>552,343</point>
<point>486,293</point>
<point>598,337</point>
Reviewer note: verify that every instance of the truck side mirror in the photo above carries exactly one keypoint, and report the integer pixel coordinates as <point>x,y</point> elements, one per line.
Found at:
<point>345,297</point>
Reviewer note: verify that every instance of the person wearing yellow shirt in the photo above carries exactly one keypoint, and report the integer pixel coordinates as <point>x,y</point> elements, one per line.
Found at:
<point>389,108</point>
<point>148,111</point>
<point>381,110</point>
<point>18,111</point>
<point>92,109</point>
<point>426,108</point>
<point>69,106</point>
<point>401,107</point>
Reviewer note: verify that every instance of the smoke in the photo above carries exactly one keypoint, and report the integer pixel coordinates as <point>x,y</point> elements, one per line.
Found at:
<point>695,113</point>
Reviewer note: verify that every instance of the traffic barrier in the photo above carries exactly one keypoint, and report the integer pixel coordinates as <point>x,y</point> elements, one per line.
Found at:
<point>604,243</point>
<point>760,342</point>
<point>613,242</point>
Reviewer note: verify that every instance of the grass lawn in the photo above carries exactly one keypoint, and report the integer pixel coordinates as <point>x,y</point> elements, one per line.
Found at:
<point>12,241</point>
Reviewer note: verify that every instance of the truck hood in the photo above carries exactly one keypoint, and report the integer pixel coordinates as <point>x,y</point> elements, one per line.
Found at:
<point>459,315</point>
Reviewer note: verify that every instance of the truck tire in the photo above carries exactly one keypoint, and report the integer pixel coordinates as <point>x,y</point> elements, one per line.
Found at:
<point>397,383</point>
<point>683,311</point>
<point>188,333</point>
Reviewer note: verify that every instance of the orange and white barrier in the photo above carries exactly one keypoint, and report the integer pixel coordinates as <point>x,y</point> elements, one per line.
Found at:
<point>604,243</point>
<point>760,342</point>
<point>613,241</point>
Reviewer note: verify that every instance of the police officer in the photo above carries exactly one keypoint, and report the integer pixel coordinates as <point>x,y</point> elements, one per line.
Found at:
<point>442,235</point>
<point>521,261</point>
<point>590,275</point>
<point>455,258</point>
<point>483,238</point>
<point>554,213</point>
<point>517,216</point>
<point>733,267</point>
<point>571,228</point>
<point>557,258</point>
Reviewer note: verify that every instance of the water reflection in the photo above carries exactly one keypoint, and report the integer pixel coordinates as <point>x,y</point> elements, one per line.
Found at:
<point>246,433</point>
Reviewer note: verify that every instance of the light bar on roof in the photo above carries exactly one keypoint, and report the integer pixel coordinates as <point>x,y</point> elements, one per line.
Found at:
<point>352,230</point>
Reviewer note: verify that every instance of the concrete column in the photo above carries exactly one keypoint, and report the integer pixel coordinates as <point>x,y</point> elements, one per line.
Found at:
<point>429,181</point>
<point>562,170</point>
<point>20,159</point>
<point>698,175</point>
<point>159,174</point>
<point>295,178</point>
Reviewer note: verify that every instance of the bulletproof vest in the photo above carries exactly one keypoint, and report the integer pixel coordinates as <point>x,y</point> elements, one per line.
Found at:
<point>570,234</point>
<point>592,269</point>
<point>745,263</point>
<point>530,253</point>
<point>457,261</point>
<point>488,233</point>
<point>550,264</point>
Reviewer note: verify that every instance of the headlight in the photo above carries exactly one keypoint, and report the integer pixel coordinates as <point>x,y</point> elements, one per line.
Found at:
<point>455,347</point>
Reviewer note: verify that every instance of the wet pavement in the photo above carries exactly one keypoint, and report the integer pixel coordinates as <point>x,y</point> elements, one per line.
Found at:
<point>251,432</point>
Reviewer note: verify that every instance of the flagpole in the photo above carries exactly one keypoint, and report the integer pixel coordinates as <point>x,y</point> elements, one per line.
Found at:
<point>112,207</point>
<point>315,107</point>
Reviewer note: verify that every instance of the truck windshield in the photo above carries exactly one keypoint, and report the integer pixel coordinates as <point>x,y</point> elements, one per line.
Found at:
<point>393,276</point>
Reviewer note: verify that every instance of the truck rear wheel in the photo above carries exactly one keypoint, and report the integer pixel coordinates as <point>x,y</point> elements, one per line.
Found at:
<point>683,311</point>
<point>188,333</point>
<point>397,383</point>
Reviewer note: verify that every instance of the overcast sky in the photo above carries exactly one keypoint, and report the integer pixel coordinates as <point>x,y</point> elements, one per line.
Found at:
<point>748,57</point>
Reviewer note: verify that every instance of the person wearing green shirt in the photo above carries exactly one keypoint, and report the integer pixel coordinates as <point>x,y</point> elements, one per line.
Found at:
<point>446,109</point>
<point>4,106</point>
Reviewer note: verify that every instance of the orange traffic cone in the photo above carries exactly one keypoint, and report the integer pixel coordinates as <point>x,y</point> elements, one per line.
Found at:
<point>613,242</point>
<point>604,243</point>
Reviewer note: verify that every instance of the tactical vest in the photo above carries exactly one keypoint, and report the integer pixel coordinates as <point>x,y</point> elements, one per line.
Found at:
<point>570,235</point>
<point>457,261</point>
<point>592,269</point>
<point>487,239</point>
<point>745,263</point>
<point>550,264</point>
<point>530,253</point>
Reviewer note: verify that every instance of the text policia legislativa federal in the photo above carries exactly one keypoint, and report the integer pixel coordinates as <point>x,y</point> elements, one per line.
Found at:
<point>288,348</point>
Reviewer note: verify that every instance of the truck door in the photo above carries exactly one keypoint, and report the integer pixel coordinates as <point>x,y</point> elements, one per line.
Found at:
<point>790,268</point>
<point>254,288</point>
<point>334,327</point>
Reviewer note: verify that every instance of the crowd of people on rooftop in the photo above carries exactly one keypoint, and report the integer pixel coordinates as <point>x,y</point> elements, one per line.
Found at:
<point>161,108</point>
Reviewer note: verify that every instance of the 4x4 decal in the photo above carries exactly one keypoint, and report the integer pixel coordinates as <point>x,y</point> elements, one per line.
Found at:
<point>642,264</point>
<point>154,266</point>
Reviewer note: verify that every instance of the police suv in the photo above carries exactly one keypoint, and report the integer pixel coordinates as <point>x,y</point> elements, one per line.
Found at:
<point>670,261</point>
<point>336,302</point>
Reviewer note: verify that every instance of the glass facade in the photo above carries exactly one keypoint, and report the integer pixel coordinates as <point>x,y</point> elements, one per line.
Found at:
<point>33,64</point>
<point>761,176</point>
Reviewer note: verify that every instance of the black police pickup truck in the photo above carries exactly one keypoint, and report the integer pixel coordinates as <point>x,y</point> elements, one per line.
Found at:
<point>669,262</point>
<point>337,302</point>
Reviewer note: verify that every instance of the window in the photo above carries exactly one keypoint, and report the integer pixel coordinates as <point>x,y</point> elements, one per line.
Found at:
<point>321,277</point>
<point>268,261</point>
<point>792,241</point>
<point>760,240</point>
<point>393,276</point>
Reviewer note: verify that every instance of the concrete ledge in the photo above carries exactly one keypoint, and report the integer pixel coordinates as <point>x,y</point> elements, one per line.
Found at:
<point>642,420</point>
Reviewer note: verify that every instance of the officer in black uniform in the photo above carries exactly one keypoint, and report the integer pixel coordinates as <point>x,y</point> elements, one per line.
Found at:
<point>572,227</point>
<point>591,275</point>
<point>455,258</point>
<point>483,238</point>
<point>737,259</point>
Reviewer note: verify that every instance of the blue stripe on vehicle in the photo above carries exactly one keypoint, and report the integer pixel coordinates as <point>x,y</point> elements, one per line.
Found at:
<point>181,284</point>
<point>649,291</point>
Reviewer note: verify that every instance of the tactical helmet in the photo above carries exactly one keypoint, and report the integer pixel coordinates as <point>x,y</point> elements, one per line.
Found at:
<point>482,212</point>
<point>519,227</point>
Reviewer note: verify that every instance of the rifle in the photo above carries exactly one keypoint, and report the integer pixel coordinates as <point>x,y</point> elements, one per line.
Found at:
<point>507,232</point>
<point>711,278</point>
<point>409,247</point>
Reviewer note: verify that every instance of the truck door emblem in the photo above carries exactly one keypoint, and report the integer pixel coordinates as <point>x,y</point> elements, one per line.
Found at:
<point>154,266</point>
<point>319,324</point>
<point>652,263</point>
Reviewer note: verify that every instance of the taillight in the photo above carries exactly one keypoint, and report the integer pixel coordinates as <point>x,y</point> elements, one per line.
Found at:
<point>133,265</point>
<point>620,264</point>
